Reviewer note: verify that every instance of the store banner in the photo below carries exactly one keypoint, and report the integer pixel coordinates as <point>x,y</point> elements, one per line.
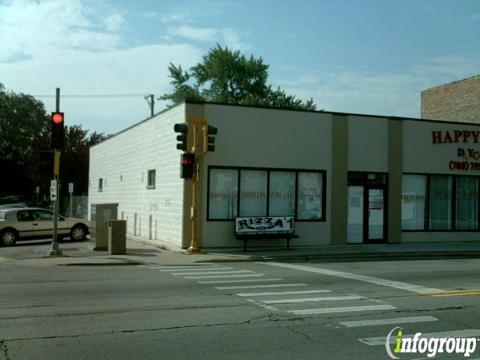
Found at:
<point>264,225</point>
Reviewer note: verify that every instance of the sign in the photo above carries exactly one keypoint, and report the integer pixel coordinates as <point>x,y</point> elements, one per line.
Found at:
<point>70,188</point>
<point>467,155</point>
<point>253,225</point>
<point>455,137</point>
<point>53,190</point>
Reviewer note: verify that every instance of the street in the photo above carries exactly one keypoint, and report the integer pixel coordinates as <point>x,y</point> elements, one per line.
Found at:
<point>182,309</point>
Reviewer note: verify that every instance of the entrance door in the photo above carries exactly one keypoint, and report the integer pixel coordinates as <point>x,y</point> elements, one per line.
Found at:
<point>355,215</point>
<point>376,215</point>
<point>366,208</point>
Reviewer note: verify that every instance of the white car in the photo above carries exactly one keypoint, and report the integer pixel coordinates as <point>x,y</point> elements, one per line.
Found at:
<point>35,223</point>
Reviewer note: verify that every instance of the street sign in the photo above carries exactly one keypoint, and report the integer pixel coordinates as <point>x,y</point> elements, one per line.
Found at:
<point>70,188</point>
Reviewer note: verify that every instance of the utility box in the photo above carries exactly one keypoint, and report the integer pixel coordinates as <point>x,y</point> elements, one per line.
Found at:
<point>117,237</point>
<point>101,214</point>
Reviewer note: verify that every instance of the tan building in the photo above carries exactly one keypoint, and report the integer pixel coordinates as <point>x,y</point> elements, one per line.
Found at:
<point>344,178</point>
<point>455,101</point>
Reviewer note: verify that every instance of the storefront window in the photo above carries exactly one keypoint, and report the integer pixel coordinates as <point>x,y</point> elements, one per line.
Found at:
<point>309,195</point>
<point>223,193</point>
<point>264,192</point>
<point>282,193</point>
<point>253,193</point>
<point>466,203</point>
<point>414,189</point>
<point>440,202</point>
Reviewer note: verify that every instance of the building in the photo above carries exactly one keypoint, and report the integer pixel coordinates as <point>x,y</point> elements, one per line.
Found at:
<point>455,101</point>
<point>347,178</point>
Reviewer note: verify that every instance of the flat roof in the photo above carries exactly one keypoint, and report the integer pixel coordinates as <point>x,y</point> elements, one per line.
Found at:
<point>398,118</point>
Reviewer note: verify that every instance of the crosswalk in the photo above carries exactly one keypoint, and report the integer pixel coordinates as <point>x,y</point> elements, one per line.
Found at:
<point>301,299</point>
<point>287,297</point>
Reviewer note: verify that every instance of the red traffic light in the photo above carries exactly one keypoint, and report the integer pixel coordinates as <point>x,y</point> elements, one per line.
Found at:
<point>57,117</point>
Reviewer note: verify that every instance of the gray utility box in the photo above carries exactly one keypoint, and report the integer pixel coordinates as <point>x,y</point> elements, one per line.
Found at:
<point>117,237</point>
<point>101,214</point>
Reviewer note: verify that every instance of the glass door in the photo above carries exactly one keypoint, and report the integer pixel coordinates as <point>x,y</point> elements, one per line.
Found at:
<point>355,215</point>
<point>376,215</point>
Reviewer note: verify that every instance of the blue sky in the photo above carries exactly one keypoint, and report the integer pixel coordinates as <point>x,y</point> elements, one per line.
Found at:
<point>369,56</point>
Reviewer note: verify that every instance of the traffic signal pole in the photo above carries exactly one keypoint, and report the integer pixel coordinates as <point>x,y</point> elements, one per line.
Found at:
<point>55,248</point>
<point>195,141</point>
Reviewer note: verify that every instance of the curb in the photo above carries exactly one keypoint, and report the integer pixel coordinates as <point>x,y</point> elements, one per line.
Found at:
<point>390,256</point>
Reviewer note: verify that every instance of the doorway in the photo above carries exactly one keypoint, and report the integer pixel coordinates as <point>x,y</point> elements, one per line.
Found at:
<point>367,204</point>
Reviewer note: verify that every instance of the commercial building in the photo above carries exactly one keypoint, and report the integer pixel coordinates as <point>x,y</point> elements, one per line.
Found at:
<point>455,101</point>
<point>346,178</point>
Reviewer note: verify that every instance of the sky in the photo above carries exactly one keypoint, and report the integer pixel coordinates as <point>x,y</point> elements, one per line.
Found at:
<point>359,56</point>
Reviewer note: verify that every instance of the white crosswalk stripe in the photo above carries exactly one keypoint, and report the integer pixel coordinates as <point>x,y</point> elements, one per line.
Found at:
<point>342,309</point>
<point>203,268</point>
<point>273,293</point>
<point>237,281</point>
<point>314,299</point>
<point>239,287</point>
<point>393,321</point>
<point>212,272</point>
<point>222,276</point>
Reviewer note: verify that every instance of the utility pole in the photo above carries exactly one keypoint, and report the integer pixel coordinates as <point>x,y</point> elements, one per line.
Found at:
<point>57,120</point>
<point>151,103</point>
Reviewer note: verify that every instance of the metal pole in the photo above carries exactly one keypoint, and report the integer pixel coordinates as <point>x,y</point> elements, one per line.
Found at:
<point>194,244</point>
<point>55,248</point>
<point>71,205</point>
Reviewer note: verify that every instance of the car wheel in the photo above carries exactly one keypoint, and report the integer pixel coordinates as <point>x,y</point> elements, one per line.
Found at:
<point>78,233</point>
<point>8,237</point>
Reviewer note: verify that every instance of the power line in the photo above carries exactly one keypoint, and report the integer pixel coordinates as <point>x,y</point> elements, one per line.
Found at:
<point>93,95</point>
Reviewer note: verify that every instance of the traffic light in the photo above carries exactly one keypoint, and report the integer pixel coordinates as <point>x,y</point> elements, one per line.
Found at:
<point>187,165</point>
<point>182,138</point>
<point>58,130</point>
<point>209,141</point>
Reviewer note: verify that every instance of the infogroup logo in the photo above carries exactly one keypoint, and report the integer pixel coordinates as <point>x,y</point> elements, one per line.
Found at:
<point>431,346</point>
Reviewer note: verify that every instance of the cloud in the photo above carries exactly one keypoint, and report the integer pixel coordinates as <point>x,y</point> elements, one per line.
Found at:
<point>82,49</point>
<point>226,37</point>
<point>394,93</point>
<point>32,28</point>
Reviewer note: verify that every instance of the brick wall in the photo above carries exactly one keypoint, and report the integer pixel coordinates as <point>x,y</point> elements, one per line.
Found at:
<point>456,101</point>
<point>123,162</point>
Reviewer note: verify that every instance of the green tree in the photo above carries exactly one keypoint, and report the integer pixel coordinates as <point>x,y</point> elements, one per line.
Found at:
<point>24,128</point>
<point>227,76</point>
<point>25,154</point>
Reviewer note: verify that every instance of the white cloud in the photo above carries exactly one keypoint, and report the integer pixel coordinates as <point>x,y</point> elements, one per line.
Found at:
<point>114,23</point>
<point>31,28</point>
<point>226,37</point>
<point>81,49</point>
<point>396,94</point>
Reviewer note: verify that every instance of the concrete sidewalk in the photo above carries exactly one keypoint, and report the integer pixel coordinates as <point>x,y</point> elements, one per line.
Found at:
<point>148,253</point>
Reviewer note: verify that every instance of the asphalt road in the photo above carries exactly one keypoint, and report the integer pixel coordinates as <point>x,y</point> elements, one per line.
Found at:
<point>235,310</point>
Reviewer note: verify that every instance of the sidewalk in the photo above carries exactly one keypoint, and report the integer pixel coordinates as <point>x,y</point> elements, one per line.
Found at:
<point>82,254</point>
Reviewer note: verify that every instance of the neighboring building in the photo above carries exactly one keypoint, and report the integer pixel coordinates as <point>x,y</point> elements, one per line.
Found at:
<point>455,101</point>
<point>346,178</point>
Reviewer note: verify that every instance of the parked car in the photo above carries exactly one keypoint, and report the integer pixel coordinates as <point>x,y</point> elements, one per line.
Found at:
<point>33,223</point>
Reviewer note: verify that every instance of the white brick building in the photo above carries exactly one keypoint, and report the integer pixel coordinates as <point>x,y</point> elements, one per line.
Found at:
<point>345,178</point>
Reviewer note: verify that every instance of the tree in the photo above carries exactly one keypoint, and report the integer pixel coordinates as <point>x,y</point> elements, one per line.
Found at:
<point>227,76</point>
<point>24,128</point>
<point>25,154</point>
